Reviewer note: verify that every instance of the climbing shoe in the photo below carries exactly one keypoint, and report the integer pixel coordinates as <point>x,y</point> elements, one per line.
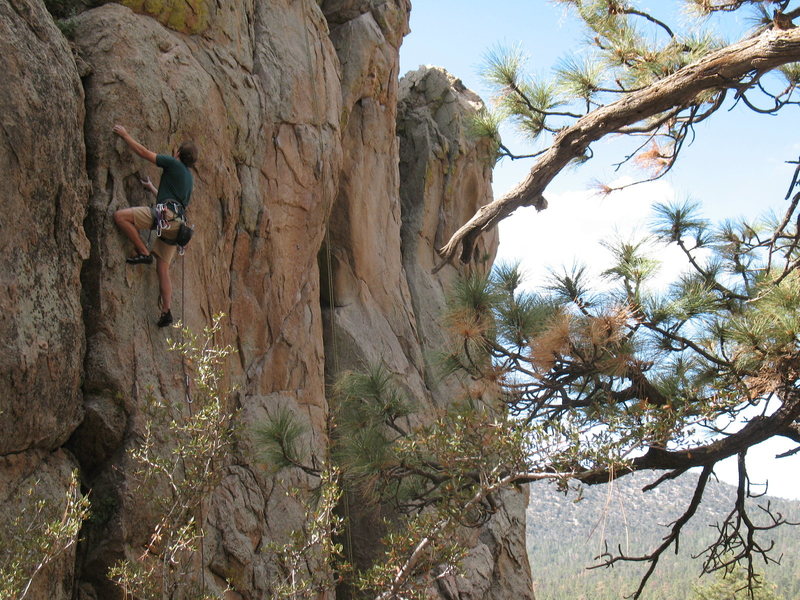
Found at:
<point>140,259</point>
<point>166,319</point>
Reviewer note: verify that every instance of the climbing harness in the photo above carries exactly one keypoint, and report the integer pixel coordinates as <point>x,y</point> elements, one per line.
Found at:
<point>166,213</point>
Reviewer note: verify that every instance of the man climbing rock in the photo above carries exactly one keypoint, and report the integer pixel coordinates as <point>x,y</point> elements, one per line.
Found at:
<point>172,198</point>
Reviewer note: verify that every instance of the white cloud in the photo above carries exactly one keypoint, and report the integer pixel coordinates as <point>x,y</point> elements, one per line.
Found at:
<point>575,223</point>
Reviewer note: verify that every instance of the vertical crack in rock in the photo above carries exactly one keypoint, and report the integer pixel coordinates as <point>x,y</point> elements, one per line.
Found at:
<point>44,186</point>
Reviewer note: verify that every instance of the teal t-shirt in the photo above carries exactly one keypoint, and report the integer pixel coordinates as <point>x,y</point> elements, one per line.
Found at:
<point>176,180</point>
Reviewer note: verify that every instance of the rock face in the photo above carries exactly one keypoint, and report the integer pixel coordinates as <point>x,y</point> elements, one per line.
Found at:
<point>42,247</point>
<point>260,95</point>
<point>445,176</point>
<point>43,244</point>
<point>316,229</point>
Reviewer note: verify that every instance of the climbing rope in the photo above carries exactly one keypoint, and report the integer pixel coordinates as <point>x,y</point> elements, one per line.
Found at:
<point>332,316</point>
<point>189,401</point>
<point>163,223</point>
<point>329,266</point>
<point>188,396</point>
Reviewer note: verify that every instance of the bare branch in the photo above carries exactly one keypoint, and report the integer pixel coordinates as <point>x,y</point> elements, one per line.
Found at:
<point>481,494</point>
<point>652,19</point>
<point>672,538</point>
<point>505,152</point>
<point>737,541</point>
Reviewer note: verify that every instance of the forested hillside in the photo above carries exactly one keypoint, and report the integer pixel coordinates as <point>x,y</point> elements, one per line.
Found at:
<point>566,534</point>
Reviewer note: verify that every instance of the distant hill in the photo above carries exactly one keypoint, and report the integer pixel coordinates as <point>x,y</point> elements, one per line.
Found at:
<point>564,536</point>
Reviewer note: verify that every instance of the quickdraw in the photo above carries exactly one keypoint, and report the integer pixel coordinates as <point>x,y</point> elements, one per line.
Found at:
<point>162,215</point>
<point>162,222</point>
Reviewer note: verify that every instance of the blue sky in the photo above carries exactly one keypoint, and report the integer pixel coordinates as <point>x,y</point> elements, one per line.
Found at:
<point>735,167</point>
<point>456,34</point>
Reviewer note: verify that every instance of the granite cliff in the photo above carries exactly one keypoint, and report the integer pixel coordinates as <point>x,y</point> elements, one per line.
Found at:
<point>324,186</point>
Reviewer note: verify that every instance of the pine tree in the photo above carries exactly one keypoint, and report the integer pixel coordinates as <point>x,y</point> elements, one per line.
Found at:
<point>634,378</point>
<point>583,386</point>
<point>733,585</point>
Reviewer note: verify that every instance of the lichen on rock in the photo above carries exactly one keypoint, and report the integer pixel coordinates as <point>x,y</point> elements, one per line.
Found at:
<point>186,16</point>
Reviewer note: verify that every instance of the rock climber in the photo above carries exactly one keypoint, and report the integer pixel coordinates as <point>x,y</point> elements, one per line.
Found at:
<point>172,198</point>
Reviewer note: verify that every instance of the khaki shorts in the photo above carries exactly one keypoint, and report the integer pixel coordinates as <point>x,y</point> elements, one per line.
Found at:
<point>143,219</point>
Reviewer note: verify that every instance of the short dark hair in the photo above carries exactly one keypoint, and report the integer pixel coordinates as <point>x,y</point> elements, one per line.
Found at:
<point>187,153</point>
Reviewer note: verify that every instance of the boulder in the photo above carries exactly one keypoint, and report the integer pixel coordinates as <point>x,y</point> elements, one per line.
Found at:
<point>42,246</point>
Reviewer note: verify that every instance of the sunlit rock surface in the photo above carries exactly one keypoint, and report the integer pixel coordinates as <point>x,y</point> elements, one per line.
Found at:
<point>323,189</point>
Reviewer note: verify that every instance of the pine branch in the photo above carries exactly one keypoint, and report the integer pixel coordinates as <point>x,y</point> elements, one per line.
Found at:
<point>719,70</point>
<point>754,432</point>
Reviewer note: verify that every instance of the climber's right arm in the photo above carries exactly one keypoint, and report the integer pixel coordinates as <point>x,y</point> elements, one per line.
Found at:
<point>148,185</point>
<point>134,145</point>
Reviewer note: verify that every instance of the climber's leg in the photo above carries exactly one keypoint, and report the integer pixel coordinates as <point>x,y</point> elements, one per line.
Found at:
<point>164,283</point>
<point>165,253</point>
<point>126,220</point>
